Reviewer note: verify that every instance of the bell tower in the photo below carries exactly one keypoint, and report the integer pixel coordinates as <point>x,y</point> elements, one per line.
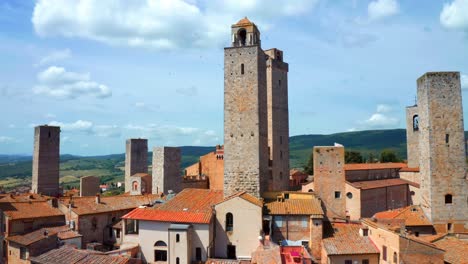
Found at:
<point>245,112</point>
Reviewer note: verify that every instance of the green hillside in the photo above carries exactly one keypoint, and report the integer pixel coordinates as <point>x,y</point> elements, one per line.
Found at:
<point>16,170</point>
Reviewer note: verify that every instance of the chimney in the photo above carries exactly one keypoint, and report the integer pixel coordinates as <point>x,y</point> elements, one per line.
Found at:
<point>53,202</point>
<point>98,198</point>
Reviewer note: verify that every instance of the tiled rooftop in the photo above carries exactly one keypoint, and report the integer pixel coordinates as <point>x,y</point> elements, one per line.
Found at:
<point>189,206</point>
<point>24,197</point>
<point>244,195</point>
<point>365,185</point>
<point>344,239</point>
<point>409,170</point>
<point>62,232</point>
<point>294,207</point>
<point>374,166</point>
<point>412,215</point>
<point>27,210</point>
<point>455,249</point>
<point>88,205</point>
<point>71,255</point>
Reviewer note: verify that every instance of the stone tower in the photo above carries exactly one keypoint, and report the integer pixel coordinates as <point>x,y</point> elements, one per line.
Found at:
<point>166,170</point>
<point>245,112</point>
<point>136,159</point>
<point>46,160</point>
<point>278,120</point>
<point>412,136</point>
<point>444,190</point>
<point>329,180</point>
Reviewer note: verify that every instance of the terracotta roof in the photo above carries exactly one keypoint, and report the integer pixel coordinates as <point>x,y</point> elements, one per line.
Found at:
<point>244,22</point>
<point>62,232</point>
<point>88,205</point>
<point>374,166</point>
<point>245,196</point>
<point>140,175</point>
<point>67,254</point>
<point>189,206</point>
<point>27,210</point>
<point>409,170</point>
<point>294,172</point>
<point>455,249</point>
<point>24,197</point>
<point>420,258</point>
<point>412,215</point>
<point>295,207</point>
<point>346,240</point>
<point>364,185</point>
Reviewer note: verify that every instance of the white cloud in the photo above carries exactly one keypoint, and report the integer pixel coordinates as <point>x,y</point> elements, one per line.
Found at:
<point>57,55</point>
<point>160,24</point>
<point>4,139</point>
<point>381,119</point>
<point>380,9</point>
<point>80,125</point>
<point>11,126</point>
<point>146,107</point>
<point>190,91</point>
<point>383,108</point>
<point>464,82</point>
<point>60,83</point>
<point>49,115</point>
<point>454,15</point>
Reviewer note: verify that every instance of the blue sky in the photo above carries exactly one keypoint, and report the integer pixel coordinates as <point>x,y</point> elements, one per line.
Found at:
<point>107,70</point>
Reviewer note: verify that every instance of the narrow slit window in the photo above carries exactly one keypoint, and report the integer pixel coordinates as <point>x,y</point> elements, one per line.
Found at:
<point>448,199</point>
<point>242,68</point>
<point>447,138</point>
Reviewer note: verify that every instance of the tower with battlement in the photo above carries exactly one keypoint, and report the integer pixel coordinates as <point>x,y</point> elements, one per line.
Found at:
<point>136,159</point>
<point>46,160</point>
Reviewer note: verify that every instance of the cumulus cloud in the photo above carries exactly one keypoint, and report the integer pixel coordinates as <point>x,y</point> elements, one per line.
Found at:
<point>5,139</point>
<point>57,55</point>
<point>381,118</point>
<point>464,82</point>
<point>88,127</point>
<point>160,24</point>
<point>60,83</point>
<point>80,125</point>
<point>454,15</point>
<point>380,9</point>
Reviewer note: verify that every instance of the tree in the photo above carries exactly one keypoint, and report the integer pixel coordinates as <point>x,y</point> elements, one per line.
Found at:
<point>372,158</point>
<point>388,155</point>
<point>353,157</point>
<point>309,167</point>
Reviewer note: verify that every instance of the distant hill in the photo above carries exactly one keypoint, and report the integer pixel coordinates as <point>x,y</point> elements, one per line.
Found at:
<point>16,169</point>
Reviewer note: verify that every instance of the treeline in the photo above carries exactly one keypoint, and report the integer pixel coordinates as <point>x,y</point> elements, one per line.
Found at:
<point>386,155</point>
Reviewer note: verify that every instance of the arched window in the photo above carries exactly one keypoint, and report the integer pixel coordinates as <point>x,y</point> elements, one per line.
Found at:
<point>160,251</point>
<point>177,238</point>
<point>242,36</point>
<point>448,199</point>
<point>415,123</point>
<point>229,222</point>
<point>177,260</point>
<point>160,243</point>
<point>135,185</point>
<point>395,257</point>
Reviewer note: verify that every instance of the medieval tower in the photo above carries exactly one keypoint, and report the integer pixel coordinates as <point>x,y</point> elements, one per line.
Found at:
<point>245,112</point>
<point>436,143</point>
<point>136,159</point>
<point>46,159</point>
<point>166,170</point>
<point>278,120</point>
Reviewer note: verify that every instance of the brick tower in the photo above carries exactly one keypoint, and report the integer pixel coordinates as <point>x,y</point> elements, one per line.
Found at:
<point>46,159</point>
<point>278,120</point>
<point>136,159</point>
<point>441,145</point>
<point>245,112</point>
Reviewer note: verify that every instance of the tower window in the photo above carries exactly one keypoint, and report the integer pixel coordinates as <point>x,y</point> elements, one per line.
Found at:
<point>448,199</point>
<point>446,138</point>
<point>281,154</point>
<point>242,68</point>
<point>242,34</point>
<point>177,238</point>
<point>229,222</point>
<point>279,82</point>
<point>281,175</point>
<point>337,195</point>
<point>281,139</point>
<point>415,123</point>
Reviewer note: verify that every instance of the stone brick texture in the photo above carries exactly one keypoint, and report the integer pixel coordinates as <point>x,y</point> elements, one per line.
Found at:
<point>136,159</point>
<point>442,147</point>
<point>46,160</point>
<point>89,186</point>
<point>412,137</point>
<point>166,170</point>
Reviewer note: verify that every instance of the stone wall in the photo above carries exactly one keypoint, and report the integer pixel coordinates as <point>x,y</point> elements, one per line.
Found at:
<point>278,120</point>
<point>245,121</point>
<point>46,159</point>
<point>293,227</point>
<point>136,159</point>
<point>412,137</point>
<point>442,148</point>
<point>329,179</point>
<point>200,183</point>
<point>89,186</point>
<point>166,170</point>
<point>383,199</point>
<point>369,175</point>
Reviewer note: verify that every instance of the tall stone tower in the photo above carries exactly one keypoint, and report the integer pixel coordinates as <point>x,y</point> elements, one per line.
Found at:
<point>412,136</point>
<point>444,190</point>
<point>136,159</point>
<point>278,120</point>
<point>166,170</point>
<point>329,179</point>
<point>46,160</point>
<point>245,112</point>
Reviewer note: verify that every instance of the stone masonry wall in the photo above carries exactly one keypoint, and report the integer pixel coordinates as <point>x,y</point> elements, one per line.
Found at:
<point>46,159</point>
<point>278,120</point>
<point>412,138</point>
<point>442,147</point>
<point>245,121</point>
<point>166,170</point>
<point>136,159</point>
<point>89,186</point>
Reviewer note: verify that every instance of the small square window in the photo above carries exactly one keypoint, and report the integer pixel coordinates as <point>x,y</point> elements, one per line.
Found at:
<point>337,195</point>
